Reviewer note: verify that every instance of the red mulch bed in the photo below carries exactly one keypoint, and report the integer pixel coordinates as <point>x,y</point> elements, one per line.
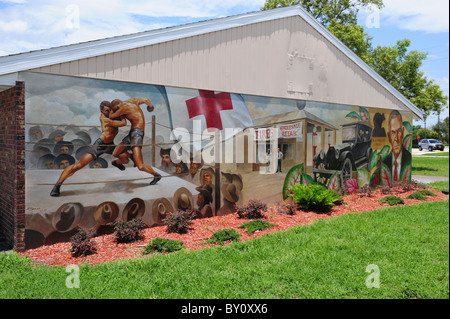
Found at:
<point>108,250</point>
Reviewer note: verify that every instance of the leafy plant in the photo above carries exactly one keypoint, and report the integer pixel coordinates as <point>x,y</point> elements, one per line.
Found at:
<point>427,192</point>
<point>257,224</point>
<point>314,197</point>
<point>417,195</point>
<point>392,200</point>
<point>253,210</point>
<point>179,222</point>
<point>162,245</point>
<point>82,244</point>
<point>129,231</point>
<point>287,209</point>
<point>223,235</point>
<point>365,190</point>
<point>293,177</point>
<point>421,195</point>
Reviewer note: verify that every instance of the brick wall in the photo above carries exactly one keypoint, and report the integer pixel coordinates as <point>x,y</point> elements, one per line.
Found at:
<point>12,165</point>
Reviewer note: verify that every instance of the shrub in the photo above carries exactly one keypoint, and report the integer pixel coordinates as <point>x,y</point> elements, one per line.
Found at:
<point>410,185</point>
<point>287,209</point>
<point>385,189</point>
<point>255,225</point>
<point>162,245</point>
<point>129,231</point>
<point>253,210</point>
<point>392,200</point>
<point>365,190</point>
<point>314,197</point>
<point>179,222</point>
<point>223,235</point>
<point>427,192</point>
<point>417,195</point>
<point>421,195</point>
<point>82,244</point>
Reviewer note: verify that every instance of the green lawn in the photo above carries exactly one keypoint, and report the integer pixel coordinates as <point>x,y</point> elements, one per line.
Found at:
<point>326,259</point>
<point>431,166</point>
<point>436,154</point>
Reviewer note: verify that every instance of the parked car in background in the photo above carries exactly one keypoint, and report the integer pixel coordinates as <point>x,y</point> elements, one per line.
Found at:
<point>431,145</point>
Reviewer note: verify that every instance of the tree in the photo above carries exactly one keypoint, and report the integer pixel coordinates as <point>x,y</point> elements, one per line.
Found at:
<point>400,67</point>
<point>326,11</point>
<point>430,99</point>
<point>354,37</point>
<point>397,65</point>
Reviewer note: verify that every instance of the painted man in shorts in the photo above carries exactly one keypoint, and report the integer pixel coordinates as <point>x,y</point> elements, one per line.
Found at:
<point>130,109</point>
<point>104,144</point>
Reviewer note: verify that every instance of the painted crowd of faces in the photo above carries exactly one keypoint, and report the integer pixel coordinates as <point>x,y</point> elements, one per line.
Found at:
<point>57,148</point>
<point>204,176</point>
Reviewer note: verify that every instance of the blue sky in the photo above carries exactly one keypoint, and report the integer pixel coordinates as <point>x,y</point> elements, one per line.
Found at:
<point>27,25</point>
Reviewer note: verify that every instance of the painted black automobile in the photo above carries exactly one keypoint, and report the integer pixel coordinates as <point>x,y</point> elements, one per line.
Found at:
<point>354,152</point>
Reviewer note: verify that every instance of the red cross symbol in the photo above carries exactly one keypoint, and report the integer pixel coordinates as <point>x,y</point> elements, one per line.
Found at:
<point>209,104</point>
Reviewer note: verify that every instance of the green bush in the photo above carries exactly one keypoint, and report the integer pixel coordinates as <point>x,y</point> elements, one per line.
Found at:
<point>162,245</point>
<point>82,244</point>
<point>421,195</point>
<point>314,197</point>
<point>255,225</point>
<point>179,222</point>
<point>417,195</point>
<point>427,192</point>
<point>392,200</point>
<point>253,210</point>
<point>129,231</point>
<point>223,235</point>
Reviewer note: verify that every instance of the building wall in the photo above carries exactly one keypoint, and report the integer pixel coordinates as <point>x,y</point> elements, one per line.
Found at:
<point>64,111</point>
<point>12,164</point>
<point>284,58</point>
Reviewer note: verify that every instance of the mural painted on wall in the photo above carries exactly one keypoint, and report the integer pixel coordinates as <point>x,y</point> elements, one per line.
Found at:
<point>98,151</point>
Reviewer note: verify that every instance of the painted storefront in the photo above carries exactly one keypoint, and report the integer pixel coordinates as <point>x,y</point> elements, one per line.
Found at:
<point>213,150</point>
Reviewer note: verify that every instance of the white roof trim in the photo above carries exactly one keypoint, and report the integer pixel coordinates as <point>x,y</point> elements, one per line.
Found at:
<point>62,54</point>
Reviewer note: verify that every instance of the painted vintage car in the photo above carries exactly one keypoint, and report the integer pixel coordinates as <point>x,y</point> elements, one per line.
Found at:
<point>354,153</point>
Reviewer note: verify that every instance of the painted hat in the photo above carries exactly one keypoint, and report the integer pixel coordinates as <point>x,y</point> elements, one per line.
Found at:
<point>67,217</point>
<point>62,157</point>
<point>235,179</point>
<point>84,136</point>
<point>160,208</point>
<point>134,209</point>
<point>183,200</point>
<point>106,212</point>
<point>230,192</point>
<point>78,142</point>
<point>100,161</point>
<point>81,151</point>
<point>45,142</point>
<point>60,144</point>
<point>206,191</point>
<point>56,132</point>
<point>32,130</point>
<point>44,159</point>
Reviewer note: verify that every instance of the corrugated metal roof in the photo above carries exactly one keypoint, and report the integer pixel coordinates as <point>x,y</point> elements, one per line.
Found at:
<point>35,59</point>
